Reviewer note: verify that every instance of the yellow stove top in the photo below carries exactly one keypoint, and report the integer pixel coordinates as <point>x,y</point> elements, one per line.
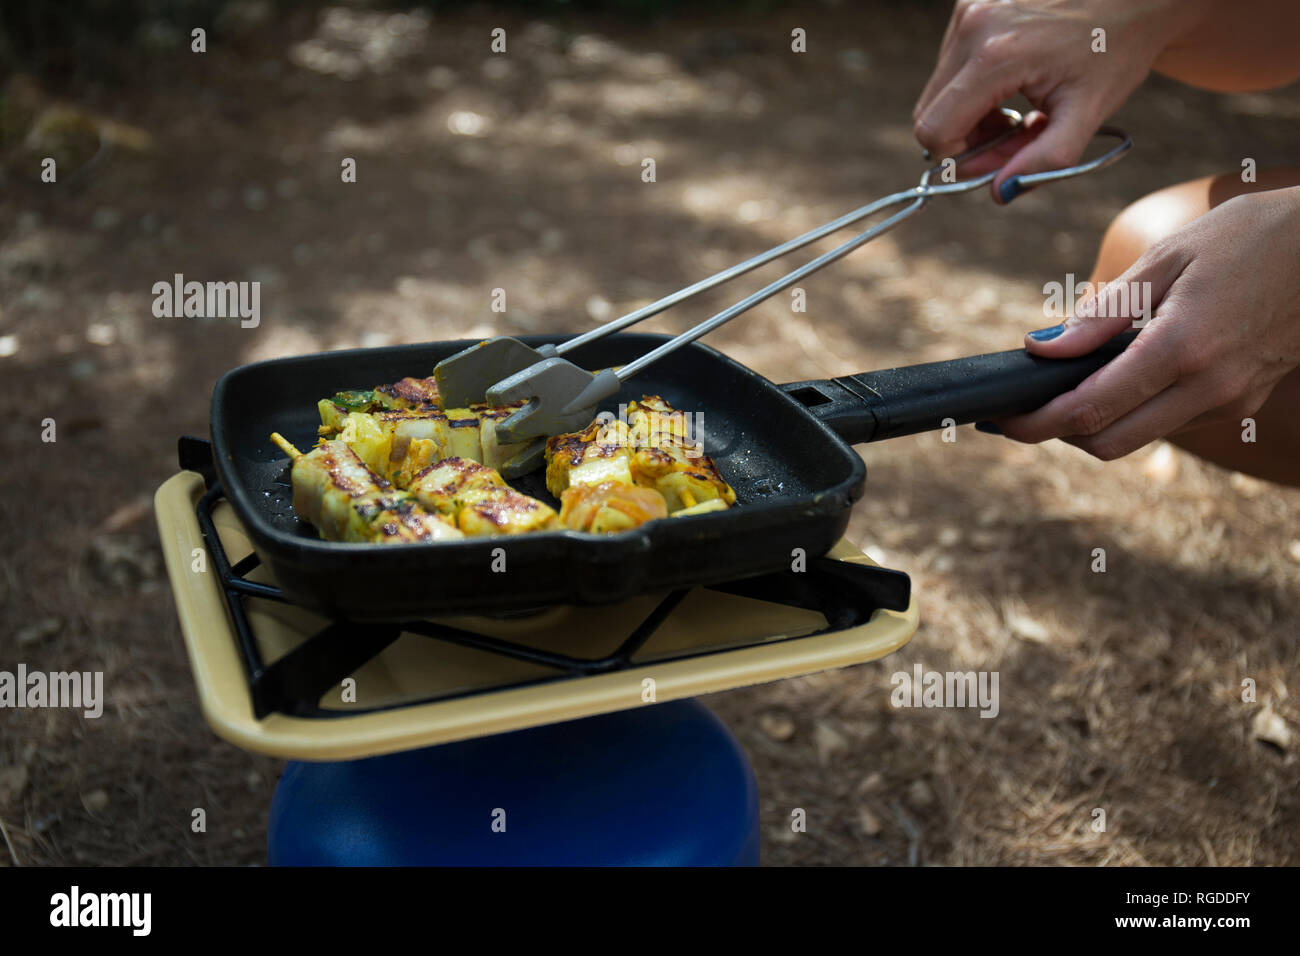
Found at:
<point>385,705</point>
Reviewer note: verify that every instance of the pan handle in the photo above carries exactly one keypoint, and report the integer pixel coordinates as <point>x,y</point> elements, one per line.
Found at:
<point>919,398</point>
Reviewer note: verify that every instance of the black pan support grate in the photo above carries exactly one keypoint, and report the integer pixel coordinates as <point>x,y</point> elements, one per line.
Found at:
<point>845,594</point>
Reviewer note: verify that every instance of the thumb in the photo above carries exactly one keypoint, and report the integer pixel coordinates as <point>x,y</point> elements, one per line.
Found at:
<point>1110,308</point>
<point>1060,142</point>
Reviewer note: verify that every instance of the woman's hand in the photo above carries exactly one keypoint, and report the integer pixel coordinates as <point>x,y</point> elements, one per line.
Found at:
<point>1043,49</point>
<point>1224,330</point>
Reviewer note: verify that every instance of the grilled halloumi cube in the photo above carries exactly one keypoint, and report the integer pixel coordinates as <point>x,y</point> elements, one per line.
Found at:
<point>397,516</point>
<point>597,454</point>
<point>496,454</point>
<point>479,498</point>
<point>327,482</point>
<point>501,510</point>
<point>444,486</point>
<point>463,438</point>
<point>610,506</point>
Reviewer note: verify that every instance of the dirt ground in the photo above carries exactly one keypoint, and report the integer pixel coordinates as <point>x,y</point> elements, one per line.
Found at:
<point>1119,691</point>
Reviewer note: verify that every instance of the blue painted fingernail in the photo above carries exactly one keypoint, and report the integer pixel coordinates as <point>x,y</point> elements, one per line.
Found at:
<point>1046,335</point>
<point>988,428</point>
<point>1010,189</point>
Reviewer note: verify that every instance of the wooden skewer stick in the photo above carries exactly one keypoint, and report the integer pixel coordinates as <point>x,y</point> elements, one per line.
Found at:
<point>285,446</point>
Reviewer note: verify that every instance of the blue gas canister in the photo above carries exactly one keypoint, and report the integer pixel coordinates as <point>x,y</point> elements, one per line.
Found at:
<point>662,785</point>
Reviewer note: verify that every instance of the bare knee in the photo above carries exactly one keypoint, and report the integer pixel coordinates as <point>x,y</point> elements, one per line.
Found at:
<point>1167,210</point>
<point>1145,222</point>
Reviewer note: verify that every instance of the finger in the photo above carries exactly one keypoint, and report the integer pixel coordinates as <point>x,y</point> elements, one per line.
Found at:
<point>957,109</point>
<point>1060,143</point>
<point>997,157</point>
<point>1140,292</point>
<point>953,51</point>
<point>1132,378</point>
<point>1165,414</point>
<point>1246,406</point>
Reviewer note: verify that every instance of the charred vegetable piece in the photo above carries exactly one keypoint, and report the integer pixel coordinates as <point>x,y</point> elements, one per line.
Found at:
<point>419,438</point>
<point>663,448</point>
<point>684,475</point>
<point>334,411</point>
<point>357,401</point>
<point>409,393</point>
<point>610,506</point>
<point>652,419</point>
<point>704,507</point>
<point>406,394</point>
<point>370,438</point>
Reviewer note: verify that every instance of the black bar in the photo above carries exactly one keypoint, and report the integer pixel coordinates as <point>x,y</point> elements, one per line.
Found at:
<point>917,398</point>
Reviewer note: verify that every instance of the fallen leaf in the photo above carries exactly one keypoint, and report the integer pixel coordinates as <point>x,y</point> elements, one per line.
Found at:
<point>1269,727</point>
<point>868,822</point>
<point>128,514</point>
<point>870,782</point>
<point>1027,628</point>
<point>777,725</point>
<point>919,794</point>
<point>828,741</point>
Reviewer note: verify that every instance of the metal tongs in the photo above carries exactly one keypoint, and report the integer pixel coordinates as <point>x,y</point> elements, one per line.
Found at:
<point>562,397</point>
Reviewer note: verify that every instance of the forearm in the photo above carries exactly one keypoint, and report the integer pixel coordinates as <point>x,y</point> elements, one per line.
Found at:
<point>1234,45</point>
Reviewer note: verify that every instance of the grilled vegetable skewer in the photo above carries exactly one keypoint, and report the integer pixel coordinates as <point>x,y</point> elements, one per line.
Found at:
<point>611,476</point>
<point>344,500</point>
<point>608,475</point>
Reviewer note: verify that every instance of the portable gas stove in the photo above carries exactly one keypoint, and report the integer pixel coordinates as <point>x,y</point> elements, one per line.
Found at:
<point>357,708</point>
<point>271,676</point>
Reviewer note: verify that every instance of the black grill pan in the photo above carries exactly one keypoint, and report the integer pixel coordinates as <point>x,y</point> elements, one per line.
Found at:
<point>784,448</point>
